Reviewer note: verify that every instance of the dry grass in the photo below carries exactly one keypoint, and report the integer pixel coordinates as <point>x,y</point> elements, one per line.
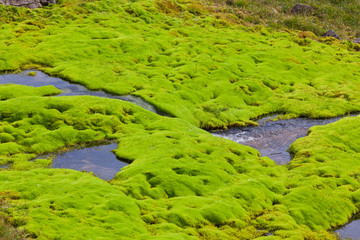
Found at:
<point>341,16</point>
<point>7,230</point>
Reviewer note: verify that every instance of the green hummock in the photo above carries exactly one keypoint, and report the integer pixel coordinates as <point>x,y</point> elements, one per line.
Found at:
<point>183,182</point>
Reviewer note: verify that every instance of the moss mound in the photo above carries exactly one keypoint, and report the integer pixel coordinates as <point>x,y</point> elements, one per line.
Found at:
<point>221,74</point>
<point>183,183</point>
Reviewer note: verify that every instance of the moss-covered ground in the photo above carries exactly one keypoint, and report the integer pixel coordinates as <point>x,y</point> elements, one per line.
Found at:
<point>183,183</point>
<point>191,65</point>
<point>339,15</point>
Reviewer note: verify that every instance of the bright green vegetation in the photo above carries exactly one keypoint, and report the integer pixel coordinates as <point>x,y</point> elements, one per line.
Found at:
<point>219,74</point>
<point>8,91</point>
<point>339,15</point>
<point>183,182</point>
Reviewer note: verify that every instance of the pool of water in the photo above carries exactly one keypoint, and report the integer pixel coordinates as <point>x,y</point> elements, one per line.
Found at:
<point>69,89</point>
<point>273,138</point>
<point>98,159</point>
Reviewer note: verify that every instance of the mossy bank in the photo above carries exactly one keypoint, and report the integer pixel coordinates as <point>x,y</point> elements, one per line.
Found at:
<point>193,66</point>
<point>183,183</point>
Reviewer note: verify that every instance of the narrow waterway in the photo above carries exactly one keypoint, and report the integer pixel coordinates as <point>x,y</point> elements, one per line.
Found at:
<point>69,89</point>
<point>350,230</point>
<point>98,159</point>
<point>273,138</point>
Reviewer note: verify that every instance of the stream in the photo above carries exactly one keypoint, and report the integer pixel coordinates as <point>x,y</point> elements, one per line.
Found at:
<point>350,230</point>
<point>271,138</point>
<point>97,159</point>
<point>69,89</point>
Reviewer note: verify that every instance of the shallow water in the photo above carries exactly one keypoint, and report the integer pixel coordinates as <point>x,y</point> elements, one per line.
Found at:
<point>69,89</point>
<point>273,138</point>
<point>350,230</point>
<point>97,159</point>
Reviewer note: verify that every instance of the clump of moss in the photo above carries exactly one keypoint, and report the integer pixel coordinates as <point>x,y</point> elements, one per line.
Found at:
<point>182,182</point>
<point>220,75</point>
<point>9,91</point>
<point>32,74</point>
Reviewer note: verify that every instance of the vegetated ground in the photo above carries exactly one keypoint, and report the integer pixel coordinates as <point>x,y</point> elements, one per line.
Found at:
<point>339,15</point>
<point>183,183</point>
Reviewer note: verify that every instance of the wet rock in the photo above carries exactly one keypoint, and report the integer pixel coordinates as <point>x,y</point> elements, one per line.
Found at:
<point>27,3</point>
<point>302,9</point>
<point>357,41</point>
<point>331,33</point>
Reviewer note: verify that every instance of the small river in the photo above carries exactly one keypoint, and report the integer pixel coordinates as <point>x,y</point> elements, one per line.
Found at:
<point>271,138</point>
<point>69,89</point>
<point>97,159</point>
<point>350,230</point>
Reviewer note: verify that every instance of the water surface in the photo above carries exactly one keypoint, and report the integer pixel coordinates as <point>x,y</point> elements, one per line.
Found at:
<point>97,159</point>
<point>350,230</point>
<point>273,138</point>
<point>69,89</point>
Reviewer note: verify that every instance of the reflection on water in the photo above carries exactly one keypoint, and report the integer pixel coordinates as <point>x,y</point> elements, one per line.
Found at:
<point>350,230</point>
<point>273,138</point>
<point>69,89</point>
<point>97,159</point>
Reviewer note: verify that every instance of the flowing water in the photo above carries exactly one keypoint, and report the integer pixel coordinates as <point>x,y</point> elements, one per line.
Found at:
<point>273,138</point>
<point>350,230</point>
<point>69,89</point>
<point>97,159</point>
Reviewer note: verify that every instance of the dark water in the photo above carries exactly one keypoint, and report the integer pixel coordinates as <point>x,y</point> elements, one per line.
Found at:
<point>273,138</point>
<point>69,89</point>
<point>97,159</point>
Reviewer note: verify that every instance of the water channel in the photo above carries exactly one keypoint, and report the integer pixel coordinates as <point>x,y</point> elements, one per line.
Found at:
<point>350,230</point>
<point>271,138</point>
<point>97,159</point>
<point>69,89</point>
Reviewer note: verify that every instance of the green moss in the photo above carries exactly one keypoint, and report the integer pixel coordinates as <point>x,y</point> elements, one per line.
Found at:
<point>68,204</point>
<point>31,74</point>
<point>8,91</point>
<point>220,76</point>
<point>182,183</point>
